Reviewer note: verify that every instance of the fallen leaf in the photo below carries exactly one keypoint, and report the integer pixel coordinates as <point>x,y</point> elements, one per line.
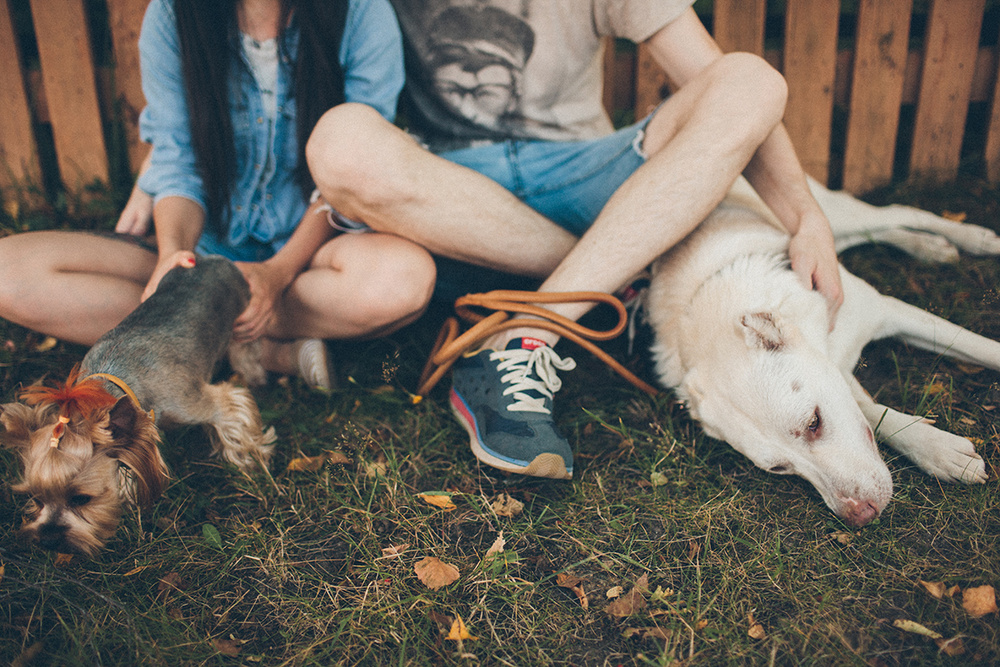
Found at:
<point>701,625</point>
<point>661,594</point>
<point>230,647</point>
<point>952,647</point>
<point>437,500</point>
<point>935,588</point>
<point>28,655</point>
<point>3,570</point>
<point>62,560</point>
<point>567,580</point>
<point>443,621</point>
<point>842,537</point>
<point>648,633</point>
<point>377,468</point>
<point>458,630</point>
<point>756,630</point>
<point>314,463</point>
<point>169,583</point>
<point>657,479</point>
<point>642,584</point>
<point>614,592</point>
<point>915,628</point>
<point>47,344</point>
<point>627,605</point>
<point>395,551</point>
<point>979,601</point>
<point>506,506</point>
<point>212,536</point>
<point>434,573</point>
<point>694,548</point>
<point>498,545</point>
<point>954,217</point>
<point>934,388</point>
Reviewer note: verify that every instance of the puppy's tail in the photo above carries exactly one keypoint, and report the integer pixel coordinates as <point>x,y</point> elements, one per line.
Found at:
<point>236,430</point>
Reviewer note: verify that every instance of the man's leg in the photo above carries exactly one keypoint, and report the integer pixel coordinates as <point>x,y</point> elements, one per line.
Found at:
<point>370,170</point>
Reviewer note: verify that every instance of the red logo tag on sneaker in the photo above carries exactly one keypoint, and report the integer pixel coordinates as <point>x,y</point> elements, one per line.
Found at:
<point>532,343</point>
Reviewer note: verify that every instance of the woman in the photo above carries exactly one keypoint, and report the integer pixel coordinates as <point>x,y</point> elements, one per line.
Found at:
<point>233,90</point>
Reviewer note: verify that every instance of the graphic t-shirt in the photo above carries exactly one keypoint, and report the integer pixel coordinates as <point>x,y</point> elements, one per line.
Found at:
<point>487,70</point>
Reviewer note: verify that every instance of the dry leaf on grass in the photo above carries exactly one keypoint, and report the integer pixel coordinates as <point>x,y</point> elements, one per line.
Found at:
<point>498,545</point>
<point>755,630</point>
<point>979,601</point>
<point>614,592</point>
<point>633,602</point>
<point>575,584</point>
<point>952,647</point>
<point>62,560</point>
<point>395,551</point>
<point>230,647</point>
<point>954,217</point>
<point>438,500</point>
<point>47,344</point>
<point>434,573</point>
<point>168,584</point>
<point>314,463</point>
<point>506,506</point>
<point>915,628</point>
<point>648,633</point>
<point>458,630</point>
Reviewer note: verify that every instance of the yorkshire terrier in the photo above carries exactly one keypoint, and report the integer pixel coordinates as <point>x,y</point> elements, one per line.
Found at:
<point>92,445</point>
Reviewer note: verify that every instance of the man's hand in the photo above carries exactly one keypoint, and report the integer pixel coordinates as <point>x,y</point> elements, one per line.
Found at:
<point>266,286</point>
<point>183,258</point>
<point>814,259</point>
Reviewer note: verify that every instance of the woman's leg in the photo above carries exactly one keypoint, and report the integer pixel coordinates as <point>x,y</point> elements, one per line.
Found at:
<point>71,285</point>
<point>357,286</point>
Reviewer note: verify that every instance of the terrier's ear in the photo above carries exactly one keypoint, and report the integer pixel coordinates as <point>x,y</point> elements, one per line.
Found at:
<point>135,443</point>
<point>17,422</point>
<point>761,331</point>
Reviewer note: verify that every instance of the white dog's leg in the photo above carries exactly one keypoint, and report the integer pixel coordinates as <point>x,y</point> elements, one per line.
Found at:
<point>930,332</point>
<point>855,222</point>
<point>948,457</point>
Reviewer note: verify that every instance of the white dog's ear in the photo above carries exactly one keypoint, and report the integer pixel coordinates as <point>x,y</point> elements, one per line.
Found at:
<point>761,331</point>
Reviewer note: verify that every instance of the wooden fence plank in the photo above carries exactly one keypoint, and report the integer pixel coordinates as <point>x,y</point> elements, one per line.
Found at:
<point>125,17</point>
<point>950,51</point>
<point>738,25</point>
<point>71,90</point>
<point>19,165</point>
<point>876,92</point>
<point>651,84</point>
<point>992,152</point>
<point>810,67</point>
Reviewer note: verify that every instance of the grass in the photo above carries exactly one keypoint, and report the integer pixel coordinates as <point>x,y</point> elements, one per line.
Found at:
<point>301,570</point>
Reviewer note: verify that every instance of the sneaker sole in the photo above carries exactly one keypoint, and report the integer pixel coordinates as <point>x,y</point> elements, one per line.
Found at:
<point>547,465</point>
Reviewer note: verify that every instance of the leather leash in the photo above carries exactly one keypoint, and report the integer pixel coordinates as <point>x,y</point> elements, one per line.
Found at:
<point>450,345</point>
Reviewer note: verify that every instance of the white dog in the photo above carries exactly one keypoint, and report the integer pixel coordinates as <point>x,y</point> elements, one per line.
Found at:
<point>747,347</point>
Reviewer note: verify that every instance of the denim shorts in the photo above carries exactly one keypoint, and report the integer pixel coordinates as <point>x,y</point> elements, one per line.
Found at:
<point>568,182</point>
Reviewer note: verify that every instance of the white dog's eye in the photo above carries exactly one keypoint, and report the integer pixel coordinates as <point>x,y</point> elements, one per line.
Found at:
<point>815,425</point>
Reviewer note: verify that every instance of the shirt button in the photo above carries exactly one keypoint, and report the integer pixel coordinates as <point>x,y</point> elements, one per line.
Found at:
<point>239,208</point>
<point>260,120</point>
<point>269,197</point>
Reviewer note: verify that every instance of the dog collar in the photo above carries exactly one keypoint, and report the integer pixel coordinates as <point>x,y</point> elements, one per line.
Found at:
<point>121,384</point>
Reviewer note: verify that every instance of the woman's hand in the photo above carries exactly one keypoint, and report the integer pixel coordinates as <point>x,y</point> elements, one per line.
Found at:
<point>137,215</point>
<point>267,284</point>
<point>183,258</point>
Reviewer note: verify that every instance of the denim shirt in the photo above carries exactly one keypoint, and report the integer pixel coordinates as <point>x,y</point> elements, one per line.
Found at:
<point>267,203</point>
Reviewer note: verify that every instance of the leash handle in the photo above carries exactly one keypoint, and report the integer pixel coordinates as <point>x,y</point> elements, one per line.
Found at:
<point>450,344</point>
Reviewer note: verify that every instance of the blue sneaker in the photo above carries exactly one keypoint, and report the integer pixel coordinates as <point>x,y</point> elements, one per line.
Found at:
<point>504,400</point>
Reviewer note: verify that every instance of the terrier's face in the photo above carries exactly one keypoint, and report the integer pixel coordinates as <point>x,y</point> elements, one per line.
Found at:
<point>73,474</point>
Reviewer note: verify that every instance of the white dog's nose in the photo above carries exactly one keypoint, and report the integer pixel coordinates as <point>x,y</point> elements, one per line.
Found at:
<point>859,514</point>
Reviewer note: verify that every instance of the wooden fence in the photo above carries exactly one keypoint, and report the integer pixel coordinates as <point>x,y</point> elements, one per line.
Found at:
<point>846,100</point>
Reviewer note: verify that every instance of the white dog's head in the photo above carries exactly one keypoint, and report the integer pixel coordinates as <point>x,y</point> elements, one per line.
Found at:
<point>781,403</point>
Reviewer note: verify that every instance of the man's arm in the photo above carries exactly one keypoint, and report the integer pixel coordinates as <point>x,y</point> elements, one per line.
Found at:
<point>683,49</point>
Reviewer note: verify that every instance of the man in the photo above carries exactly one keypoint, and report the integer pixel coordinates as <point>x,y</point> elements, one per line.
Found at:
<point>532,180</point>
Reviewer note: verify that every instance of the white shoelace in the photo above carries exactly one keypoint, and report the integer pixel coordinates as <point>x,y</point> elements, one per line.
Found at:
<point>520,363</point>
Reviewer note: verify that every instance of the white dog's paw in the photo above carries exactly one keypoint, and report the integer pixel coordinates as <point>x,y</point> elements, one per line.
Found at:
<point>975,240</point>
<point>951,458</point>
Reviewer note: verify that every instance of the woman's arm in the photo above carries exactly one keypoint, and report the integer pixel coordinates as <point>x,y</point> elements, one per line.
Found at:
<point>270,278</point>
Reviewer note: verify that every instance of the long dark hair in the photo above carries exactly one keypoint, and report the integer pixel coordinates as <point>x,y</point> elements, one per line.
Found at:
<point>209,38</point>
